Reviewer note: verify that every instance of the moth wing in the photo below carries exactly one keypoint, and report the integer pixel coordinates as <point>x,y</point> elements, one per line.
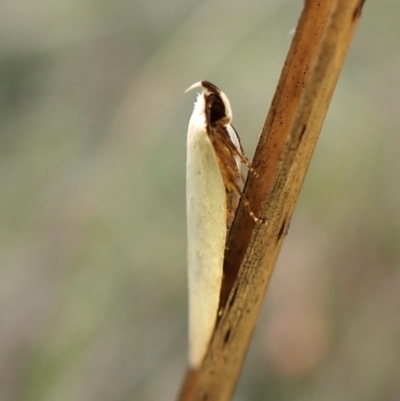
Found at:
<point>206,227</point>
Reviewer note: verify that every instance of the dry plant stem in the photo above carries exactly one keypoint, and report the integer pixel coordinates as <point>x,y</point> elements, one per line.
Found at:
<point>286,145</point>
<point>286,102</point>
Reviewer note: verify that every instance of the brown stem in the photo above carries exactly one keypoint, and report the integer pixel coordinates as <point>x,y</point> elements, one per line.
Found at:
<point>287,142</point>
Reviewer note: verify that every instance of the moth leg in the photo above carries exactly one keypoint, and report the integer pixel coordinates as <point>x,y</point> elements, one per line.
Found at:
<point>246,161</point>
<point>250,211</point>
<point>243,158</point>
<point>240,152</point>
<point>246,204</point>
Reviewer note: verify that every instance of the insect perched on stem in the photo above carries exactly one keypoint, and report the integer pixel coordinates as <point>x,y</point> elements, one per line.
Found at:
<point>213,190</point>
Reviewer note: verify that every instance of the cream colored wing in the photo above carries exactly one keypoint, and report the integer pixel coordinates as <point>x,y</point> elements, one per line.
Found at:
<point>206,226</point>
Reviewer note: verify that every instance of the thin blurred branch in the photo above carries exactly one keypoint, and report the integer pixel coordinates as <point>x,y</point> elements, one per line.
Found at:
<point>284,151</point>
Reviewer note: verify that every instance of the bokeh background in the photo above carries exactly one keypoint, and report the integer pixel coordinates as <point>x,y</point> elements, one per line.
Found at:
<point>92,212</point>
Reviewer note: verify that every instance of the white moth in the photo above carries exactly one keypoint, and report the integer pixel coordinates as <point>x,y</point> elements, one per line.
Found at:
<point>213,179</point>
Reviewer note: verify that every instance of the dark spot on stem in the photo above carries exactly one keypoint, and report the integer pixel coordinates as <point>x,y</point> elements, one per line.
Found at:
<point>281,231</point>
<point>358,10</point>
<point>227,335</point>
<point>303,130</point>
<point>233,298</point>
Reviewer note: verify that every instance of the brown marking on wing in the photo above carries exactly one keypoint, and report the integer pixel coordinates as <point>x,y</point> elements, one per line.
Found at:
<point>226,151</point>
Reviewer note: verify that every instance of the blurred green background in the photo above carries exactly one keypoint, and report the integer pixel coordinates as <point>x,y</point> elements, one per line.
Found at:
<point>93,244</point>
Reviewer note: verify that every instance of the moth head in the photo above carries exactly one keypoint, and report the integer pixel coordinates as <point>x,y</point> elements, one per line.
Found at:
<point>213,103</point>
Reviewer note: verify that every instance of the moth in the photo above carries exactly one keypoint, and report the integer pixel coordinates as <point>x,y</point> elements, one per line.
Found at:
<point>213,191</point>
